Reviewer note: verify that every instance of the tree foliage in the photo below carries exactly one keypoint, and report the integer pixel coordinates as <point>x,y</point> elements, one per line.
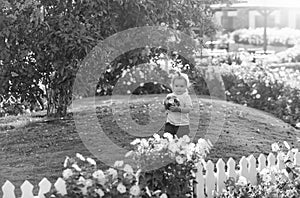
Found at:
<point>43,41</point>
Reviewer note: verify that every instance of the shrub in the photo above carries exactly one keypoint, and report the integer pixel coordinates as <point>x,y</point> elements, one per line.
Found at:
<point>177,163</point>
<point>273,182</point>
<point>272,90</point>
<point>277,37</point>
<point>173,178</point>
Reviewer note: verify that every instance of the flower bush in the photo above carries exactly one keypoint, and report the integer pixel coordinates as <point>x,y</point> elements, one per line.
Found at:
<point>276,91</point>
<point>149,177</point>
<point>170,163</point>
<point>83,179</point>
<point>277,37</point>
<point>273,182</point>
<point>290,55</point>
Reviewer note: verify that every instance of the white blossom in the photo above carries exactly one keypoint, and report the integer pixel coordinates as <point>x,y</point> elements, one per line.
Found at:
<point>275,147</point>
<point>67,173</point>
<point>66,161</point>
<point>113,173</point>
<point>135,142</point>
<point>164,195</point>
<point>99,175</point>
<point>118,163</point>
<point>242,181</point>
<point>121,188</point>
<point>135,190</point>
<point>128,169</point>
<point>179,159</point>
<point>91,161</point>
<point>100,192</point>
<point>76,167</point>
<point>78,155</point>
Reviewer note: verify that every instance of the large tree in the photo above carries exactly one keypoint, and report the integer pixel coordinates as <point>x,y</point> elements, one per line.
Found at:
<point>44,41</point>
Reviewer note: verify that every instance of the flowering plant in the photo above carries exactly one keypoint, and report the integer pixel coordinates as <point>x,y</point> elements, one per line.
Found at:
<point>172,179</point>
<point>169,163</point>
<point>272,90</point>
<point>273,181</point>
<point>83,179</point>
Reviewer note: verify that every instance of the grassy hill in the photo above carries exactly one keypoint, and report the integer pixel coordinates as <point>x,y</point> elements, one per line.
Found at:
<point>35,147</point>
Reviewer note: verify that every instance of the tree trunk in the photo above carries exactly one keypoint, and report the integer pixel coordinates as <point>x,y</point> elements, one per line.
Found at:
<point>59,97</point>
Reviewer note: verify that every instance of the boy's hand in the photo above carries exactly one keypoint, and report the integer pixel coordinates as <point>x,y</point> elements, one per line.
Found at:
<point>175,109</point>
<point>165,103</point>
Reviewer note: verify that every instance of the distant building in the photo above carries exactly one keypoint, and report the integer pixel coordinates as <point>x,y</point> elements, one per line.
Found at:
<point>247,14</point>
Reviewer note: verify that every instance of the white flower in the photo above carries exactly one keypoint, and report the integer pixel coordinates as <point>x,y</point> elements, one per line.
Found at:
<point>186,138</point>
<point>258,96</point>
<point>113,173</point>
<point>156,137</point>
<point>136,141</point>
<point>66,161</point>
<point>286,145</point>
<point>164,143</point>
<point>173,147</point>
<point>99,175</point>
<point>78,155</point>
<point>91,161</point>
<point>267,178</point>
<point>254,92</point>
<point>128,169</point>
<point>295,150</point>
<point>88,182</point>
<point>164,195</point>
<point>169,136</point>
<point>67,173</point>
<point>242,181</point>
<point>76,167</point>
<point>99,192</point>
<point>179,159</point>
<point>135,190</point>
<point>119,163</point>
<point>144,143</point>
<point>121,188</point>
<point>275,147</point>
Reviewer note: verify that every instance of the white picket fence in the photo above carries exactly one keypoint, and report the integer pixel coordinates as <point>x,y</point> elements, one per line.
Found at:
<point>208,180</point>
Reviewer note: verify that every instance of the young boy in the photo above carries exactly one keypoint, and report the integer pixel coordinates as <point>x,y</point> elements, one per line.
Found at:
<point>178,115</point>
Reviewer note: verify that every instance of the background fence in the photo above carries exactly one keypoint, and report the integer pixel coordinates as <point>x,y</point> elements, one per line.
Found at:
<point>210,176</point>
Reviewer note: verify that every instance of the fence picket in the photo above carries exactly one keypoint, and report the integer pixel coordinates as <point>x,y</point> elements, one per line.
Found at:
<point>221,175</point>
<point>60,186</point>
<point>271,160</point>
<point>280,161</point>
<point>262,163</point>
<point>243,167</point>
<point>26,189</point>
<point>45,187</point>
<point>8,190</point>
<point>200,181</point>
<point>210,180</point>
<point>297,158</point>
<point>252,170</point>
<point>231,172</point>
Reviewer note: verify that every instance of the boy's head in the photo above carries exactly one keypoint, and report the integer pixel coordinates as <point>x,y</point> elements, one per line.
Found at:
<point>180,83</point>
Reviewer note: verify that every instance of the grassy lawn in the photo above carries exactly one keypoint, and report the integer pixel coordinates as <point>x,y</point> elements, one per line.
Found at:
<point>35,147</point>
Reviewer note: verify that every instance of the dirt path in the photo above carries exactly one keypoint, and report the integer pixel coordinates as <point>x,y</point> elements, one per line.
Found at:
<point>38,150</point>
